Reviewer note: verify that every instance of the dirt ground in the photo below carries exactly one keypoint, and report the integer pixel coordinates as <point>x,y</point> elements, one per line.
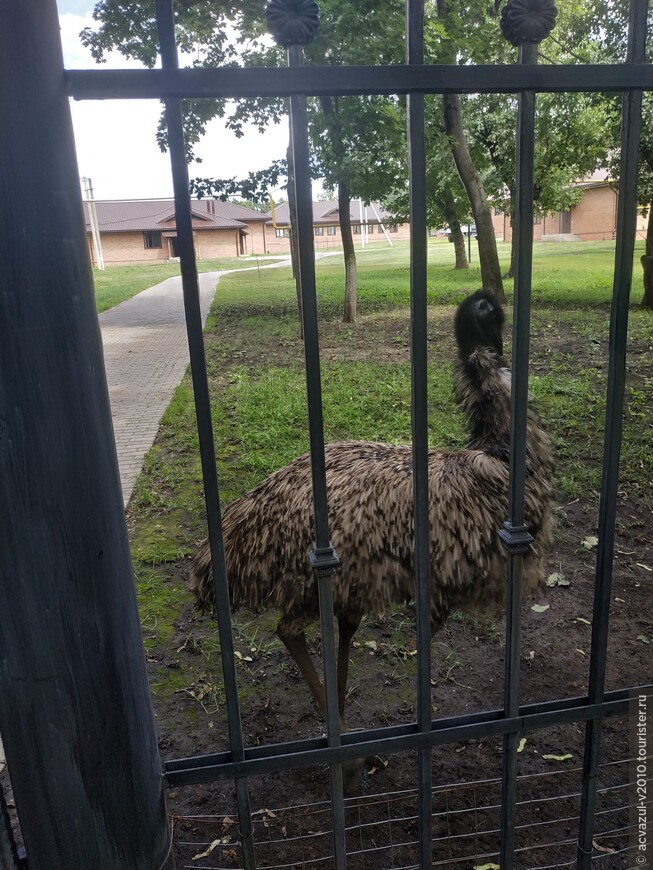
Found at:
<point>292,818</point>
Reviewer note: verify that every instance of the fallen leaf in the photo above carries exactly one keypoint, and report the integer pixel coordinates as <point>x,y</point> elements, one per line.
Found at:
<point>565,757</point>
<point>540,608</point>
<point>557,579</point>
<point>643,638</point>
<point>371,644</point>
<point>598,848</point>
<point>208,851</point>
<point>380,764</point>
<point>620,600</point>
<point>581,651</point>
<point>589,542</point>
<point>522,743</point>
<point>583,620</point>
<point>487,867</point>
<point>642,565</point>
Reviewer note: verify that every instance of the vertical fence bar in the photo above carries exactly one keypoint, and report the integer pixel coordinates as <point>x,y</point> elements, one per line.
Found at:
<point>323,557</point>
<point>184,225</point>
<point>514,534</point>
<point>624,252</point>
<point>75,709</point>
<point>419,417</point>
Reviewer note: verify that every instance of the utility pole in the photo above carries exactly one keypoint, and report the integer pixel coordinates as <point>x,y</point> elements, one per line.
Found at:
<point>89,199</point>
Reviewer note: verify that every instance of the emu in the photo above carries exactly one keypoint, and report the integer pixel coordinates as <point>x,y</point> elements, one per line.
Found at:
<point>268,532</point>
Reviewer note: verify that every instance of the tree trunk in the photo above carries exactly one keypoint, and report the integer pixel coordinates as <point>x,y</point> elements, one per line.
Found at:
<point>447,206</point>
<point>330,109</point>
<point>513,249</point>
<point>458,238</point>
<point>294,253</point>
<point>344,199</point>
<point>647,262</point>
<point>487,243</point>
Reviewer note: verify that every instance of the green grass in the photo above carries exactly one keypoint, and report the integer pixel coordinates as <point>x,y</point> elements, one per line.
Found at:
<point>565,275</point>
<point>257,379</point>
<point>118,283</point>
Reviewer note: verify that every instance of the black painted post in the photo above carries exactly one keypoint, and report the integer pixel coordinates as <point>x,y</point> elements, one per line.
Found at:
<point>75,710</point>
<point>524,26</point>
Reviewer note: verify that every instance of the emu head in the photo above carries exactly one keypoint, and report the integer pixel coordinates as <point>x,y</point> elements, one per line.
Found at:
<point>479,323</point>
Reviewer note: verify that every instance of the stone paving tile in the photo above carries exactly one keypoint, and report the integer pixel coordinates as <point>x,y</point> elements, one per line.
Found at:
<point>145,357</point>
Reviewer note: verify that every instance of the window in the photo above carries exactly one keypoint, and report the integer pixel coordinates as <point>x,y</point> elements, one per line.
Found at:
<point>331,231</point>
<point>151,239</point>
<point>356,229</point>
<point>370,228</point>
<point>280,233</point>
<point>319,231</point>
<point>392,228</point>
<point>537,220</point>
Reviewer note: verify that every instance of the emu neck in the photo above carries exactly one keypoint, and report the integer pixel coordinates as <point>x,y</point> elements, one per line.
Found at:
<point>483,392</point>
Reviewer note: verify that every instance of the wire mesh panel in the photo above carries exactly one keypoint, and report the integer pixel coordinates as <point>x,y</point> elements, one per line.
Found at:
<point>382,829</point>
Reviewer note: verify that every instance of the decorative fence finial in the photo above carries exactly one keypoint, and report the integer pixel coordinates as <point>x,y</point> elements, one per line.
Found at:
<point>292,22</point>
<point>528,21</point>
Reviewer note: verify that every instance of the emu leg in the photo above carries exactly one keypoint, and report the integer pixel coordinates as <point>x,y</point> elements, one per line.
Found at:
<point>347,626</point>
<point>295,643</point>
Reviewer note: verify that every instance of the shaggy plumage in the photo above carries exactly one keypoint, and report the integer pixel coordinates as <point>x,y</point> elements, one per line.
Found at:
<point>269,531</point>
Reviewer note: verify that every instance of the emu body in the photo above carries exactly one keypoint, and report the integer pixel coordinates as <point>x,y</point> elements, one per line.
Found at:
<point>268,532</point>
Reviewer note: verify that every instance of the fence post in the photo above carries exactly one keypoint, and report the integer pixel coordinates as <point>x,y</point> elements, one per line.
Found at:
<point>75,711</point>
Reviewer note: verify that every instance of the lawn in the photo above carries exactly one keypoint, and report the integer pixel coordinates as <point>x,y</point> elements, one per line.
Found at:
<point>256,374</point>
<point>118,283</point>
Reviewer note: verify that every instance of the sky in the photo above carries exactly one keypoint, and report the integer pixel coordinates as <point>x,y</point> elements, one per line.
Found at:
<point>115,139</point>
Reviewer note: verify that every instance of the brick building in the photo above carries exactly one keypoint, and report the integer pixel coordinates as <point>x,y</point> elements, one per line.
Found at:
<point>144,231</point>
<point>370,224</point>
<point>593,218</point>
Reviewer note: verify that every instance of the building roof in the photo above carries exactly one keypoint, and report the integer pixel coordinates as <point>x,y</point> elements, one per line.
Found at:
<point>326,212</point>
<point>133,215</point>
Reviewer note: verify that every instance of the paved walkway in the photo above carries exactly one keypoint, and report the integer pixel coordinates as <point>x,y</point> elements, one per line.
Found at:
<point>145,355</point>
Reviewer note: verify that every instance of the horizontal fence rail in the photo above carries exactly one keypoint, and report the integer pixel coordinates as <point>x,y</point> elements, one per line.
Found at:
<point>397,738</point>
<point>355,80</point>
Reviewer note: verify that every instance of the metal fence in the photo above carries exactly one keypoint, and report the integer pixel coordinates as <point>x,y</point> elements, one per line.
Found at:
<point>414,79</point>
